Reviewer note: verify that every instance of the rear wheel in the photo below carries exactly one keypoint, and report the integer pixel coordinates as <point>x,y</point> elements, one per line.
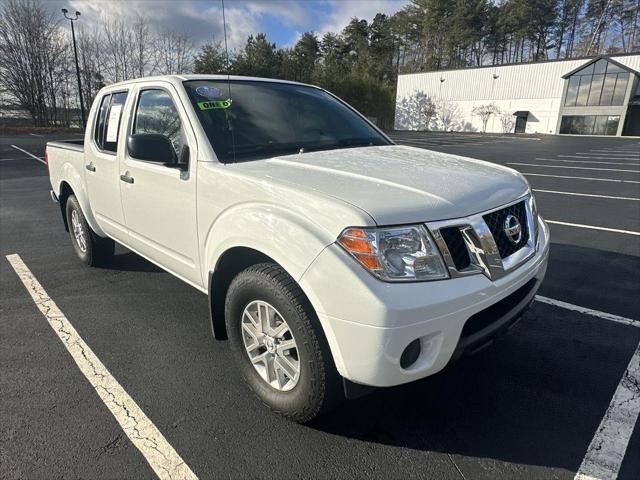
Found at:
<point>279,345</point>
<point>92,249</point>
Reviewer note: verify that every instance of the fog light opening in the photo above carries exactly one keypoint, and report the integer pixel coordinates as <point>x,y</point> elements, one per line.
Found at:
<point>410,354</point>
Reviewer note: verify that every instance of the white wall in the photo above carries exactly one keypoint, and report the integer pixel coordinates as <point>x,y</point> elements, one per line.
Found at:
<point>542,119</point>
<point>536,87</point>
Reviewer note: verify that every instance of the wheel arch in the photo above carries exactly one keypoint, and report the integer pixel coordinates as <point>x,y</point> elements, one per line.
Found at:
<point>232,262</point>
<point>73,185</point>
<point>65,192</point>
<point>229,264</point>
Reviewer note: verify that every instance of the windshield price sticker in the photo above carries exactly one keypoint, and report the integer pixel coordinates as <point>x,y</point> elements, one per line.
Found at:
<point>214,104</point>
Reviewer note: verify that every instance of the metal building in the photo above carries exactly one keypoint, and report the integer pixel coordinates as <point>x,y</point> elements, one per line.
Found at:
<point>587,96</point>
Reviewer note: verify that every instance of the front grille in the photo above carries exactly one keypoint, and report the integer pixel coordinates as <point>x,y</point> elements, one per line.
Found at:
<point>495,222</point>
<point>457,248</point>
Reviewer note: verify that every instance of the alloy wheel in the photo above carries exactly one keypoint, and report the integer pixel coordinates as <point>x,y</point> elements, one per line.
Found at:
<point>78,231</point>
<point>270,345</point>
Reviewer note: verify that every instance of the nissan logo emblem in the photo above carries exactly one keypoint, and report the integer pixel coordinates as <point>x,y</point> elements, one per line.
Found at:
<point>513,229</point>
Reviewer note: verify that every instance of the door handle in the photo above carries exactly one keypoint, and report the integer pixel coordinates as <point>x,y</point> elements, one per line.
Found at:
<point>90,167</point>
<point>126,178</point>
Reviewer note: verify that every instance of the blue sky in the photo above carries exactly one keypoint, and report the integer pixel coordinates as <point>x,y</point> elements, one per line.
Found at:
<point>282,20</point>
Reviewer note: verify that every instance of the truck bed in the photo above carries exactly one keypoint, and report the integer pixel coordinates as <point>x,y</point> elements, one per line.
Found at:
<point>64,157</point>
<point>73,144</point>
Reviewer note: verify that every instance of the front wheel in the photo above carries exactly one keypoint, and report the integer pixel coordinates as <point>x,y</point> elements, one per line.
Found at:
<point>281,350</point>
<point>92,249</point>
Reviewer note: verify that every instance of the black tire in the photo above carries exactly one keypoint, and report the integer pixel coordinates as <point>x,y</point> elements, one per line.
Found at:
<point>319,387</point>
<point>95,251</point>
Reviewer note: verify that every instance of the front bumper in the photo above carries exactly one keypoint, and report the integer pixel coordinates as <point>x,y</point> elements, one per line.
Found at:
<point>369,323</point>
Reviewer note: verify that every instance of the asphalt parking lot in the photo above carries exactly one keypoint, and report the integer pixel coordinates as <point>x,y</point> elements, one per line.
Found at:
<point>538,404</point>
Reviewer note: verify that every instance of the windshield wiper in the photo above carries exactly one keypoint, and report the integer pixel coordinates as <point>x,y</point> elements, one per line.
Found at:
<point>355,142</point>
<point>345,143</point>
<point>262,149</point>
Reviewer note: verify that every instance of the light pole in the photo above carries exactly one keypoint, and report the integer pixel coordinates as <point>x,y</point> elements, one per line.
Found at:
<point>75,53</point>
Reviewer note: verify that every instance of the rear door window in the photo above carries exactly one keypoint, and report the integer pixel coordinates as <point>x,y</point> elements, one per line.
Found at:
<point>112,122</point>
<point>98,133</point>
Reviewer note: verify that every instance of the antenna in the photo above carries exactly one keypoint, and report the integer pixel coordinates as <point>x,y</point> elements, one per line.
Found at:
<point>226,47</point>
<point>226,51</point>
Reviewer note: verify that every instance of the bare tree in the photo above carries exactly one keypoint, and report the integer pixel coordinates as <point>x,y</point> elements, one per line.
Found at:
<point>428,111</point>
<point>485,112</point>
<point>119,47</point>
<point>175,52</point>
<point>507,121</point>
<point>416,112</point>
<point>92,62</point>
<point>32,56</point>
<point>143,58</point>
<point>448,116</point>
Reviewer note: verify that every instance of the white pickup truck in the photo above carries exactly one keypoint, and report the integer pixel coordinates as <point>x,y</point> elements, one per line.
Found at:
<point>334,260</point>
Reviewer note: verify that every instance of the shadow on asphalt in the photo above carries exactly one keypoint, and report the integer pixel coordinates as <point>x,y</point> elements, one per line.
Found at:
<point>131,262</point>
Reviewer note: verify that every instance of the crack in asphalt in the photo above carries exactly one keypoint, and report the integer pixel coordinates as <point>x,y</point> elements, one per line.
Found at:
<point>456,465</point>
<point>162,458</point>
<point>607,450</point>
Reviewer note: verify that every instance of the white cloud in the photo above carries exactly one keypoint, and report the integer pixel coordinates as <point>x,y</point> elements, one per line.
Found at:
<point>289,12</point>
<point>202,19</point>
<point>239,27</point>
<point>342,11</point>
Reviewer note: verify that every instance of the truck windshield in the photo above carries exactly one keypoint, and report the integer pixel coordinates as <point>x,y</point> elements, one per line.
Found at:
<point>266,119</point>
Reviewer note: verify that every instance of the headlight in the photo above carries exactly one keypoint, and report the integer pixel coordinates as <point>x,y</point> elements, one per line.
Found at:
<point>534,214</point>
<point>395,253</point>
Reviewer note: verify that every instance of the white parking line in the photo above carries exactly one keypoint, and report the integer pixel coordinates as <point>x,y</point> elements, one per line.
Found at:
<point>584,161</point>
<point>464,144</point>
<point>593,227</point>
<point>11,159</point>
<point>162,458</point>
<point>580,178</point>
<point>437,141</point>
<point>588,311</point>
<point>30,154</point>
<point>622,156</point>
<point>607,449</point>
<point>575,168</point>
<point>35,135</point>
<point>587,195</point>
<point>596,157</point>
<point>612,152</point>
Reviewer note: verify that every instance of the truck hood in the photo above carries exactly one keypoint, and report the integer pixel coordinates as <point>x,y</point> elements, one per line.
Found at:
<point>398,184</point>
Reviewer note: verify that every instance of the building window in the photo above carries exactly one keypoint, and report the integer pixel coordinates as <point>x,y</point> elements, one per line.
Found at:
<point>589,124</point>
<point>583,91</point>
<point>572,91</point>
<point>601,83</point>
<point>607,89</point>
<point>621,88</point>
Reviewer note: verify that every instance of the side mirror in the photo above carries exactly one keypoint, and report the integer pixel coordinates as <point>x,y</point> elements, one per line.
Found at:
<point>151,147</point>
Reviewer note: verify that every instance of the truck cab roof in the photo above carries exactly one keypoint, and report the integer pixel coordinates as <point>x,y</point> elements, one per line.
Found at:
<point>177,79</point>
